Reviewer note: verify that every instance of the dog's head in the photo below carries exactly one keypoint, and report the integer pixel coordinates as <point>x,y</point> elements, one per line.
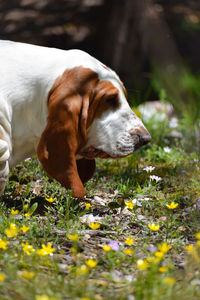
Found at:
<point>88,117</point>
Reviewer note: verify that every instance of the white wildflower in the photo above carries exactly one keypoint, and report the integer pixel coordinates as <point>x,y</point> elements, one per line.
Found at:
<point>149,169</point>
<point>28,158</point>
<point>156,178</point>
<point>173,123</point>
<point>167,149</point>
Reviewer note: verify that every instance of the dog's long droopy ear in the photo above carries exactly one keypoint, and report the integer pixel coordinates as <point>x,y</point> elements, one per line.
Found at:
<point>62,138</point>
<point>86,168</point>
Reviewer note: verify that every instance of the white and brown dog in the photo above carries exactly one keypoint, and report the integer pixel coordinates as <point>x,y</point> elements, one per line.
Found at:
<point>67,107</point>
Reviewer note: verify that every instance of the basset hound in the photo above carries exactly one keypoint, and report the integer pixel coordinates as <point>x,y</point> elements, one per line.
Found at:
<point>67,107</point>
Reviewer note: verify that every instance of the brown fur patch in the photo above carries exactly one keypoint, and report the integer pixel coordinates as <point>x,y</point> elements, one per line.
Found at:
<point>106,97</point>
<point>75,99</point>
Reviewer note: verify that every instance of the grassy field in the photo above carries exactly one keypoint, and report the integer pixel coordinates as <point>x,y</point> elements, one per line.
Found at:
<point>135,236</point>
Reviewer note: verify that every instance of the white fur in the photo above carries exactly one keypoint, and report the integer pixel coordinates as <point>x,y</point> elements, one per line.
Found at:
<point>27,73</point>
<point>116,132</point>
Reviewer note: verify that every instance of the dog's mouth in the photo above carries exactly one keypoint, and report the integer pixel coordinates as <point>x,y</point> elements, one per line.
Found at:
<point>92,152</point>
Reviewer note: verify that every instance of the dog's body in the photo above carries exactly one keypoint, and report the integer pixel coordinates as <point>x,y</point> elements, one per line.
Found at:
<point>64,106</point>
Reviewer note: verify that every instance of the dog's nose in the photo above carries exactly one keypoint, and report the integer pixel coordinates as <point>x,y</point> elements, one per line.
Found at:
<point>144,139</point>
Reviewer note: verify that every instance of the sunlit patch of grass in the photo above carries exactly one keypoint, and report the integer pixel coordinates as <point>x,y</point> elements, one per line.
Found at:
<point>145,245</point>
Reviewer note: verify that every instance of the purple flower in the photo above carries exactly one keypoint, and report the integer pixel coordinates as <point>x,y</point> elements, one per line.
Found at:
<point>198,203</point>
<point>152,248</point>
<point>114,245</point>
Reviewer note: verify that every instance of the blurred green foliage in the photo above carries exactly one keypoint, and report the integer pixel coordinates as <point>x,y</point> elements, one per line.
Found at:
<point>183,92</point>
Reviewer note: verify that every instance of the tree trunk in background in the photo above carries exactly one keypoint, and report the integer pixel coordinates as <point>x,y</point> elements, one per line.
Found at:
<point>142,34</point>
<point>120,39</point>
<point>135,36</point>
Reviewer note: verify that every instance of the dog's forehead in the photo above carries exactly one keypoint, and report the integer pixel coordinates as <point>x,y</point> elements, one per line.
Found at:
<point>87,64</point>
<point>84,60</point>
<point>110,76</point>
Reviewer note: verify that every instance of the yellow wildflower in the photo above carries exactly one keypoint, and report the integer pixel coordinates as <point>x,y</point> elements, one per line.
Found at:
<point>24,228</point>
<point>128,251</point>
<point>150,259</point>
<point>142,264</point>
<point>170,280</point>
<point>197,235</point>
<point>13,226</point>
<point>106,248</point>
<point>198,243</point>
<point>164,247</point>
<point>28,248</point>
<point>129,204</point>
<point>2,277</point>
<point>94,225</point>
<point>193,251</point>
<point>14,212</point>
<point>129,241</point>
<point>87,205</point>
<point>50,199</point>
<point>46,250</point>
<point>73,250</point>
<point>157,260</point>
<point>73,237</point>
<point>172,205</point>
<point>25,207</point>
<point>85,298</point>
<point>27,275</point>
<point>91,263</point>
<point>3,244</point>
<point>159,254</point>
<point>154,227</point>
<point>12,231</point>
<point>82,270</point>
<point>43,297</point>
<point>190,248</point>
<point>28,214</point>
<point>163,269</point>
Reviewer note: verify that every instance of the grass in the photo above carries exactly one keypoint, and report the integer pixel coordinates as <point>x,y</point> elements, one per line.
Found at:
<point>48,249</point>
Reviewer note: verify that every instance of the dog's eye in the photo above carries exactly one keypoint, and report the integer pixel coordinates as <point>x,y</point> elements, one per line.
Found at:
<point>112,101</point>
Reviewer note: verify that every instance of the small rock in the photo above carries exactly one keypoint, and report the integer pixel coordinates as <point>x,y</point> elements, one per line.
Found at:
<point>97,200</point>
<point>89,218</point>
<point>131,297</point>
<point>129,278</point>
<point>62,267</point>
<point>195,281</point>
<point>18,217</point>
<point>162,219</point>
<point>140,217</point>
<point>125,211</point>
<point>116,275</point>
